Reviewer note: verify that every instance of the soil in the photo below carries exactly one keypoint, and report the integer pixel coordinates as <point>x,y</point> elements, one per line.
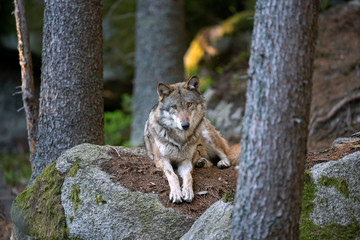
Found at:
<point>138,173</point>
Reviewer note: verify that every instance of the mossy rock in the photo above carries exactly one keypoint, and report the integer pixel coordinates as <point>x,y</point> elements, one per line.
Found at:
<point>37,211</point>
<point>331,200</point>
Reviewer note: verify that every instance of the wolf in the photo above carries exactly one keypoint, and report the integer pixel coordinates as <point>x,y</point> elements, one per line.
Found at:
<point>177,134</point>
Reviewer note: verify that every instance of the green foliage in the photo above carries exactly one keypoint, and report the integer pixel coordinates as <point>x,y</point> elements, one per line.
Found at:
<point>38,208</point>
<point>205,83</point>
<point>16,169</point>
<point>117,124</point>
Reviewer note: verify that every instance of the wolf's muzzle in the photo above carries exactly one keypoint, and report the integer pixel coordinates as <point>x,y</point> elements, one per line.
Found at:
<point>185,125</point>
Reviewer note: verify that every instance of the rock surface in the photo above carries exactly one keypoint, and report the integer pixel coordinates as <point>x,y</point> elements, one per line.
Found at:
<point>331,200</point>
<point>74,198</point>
<point>337,191</point>
<point>97,208</point>
<point>214,224</point>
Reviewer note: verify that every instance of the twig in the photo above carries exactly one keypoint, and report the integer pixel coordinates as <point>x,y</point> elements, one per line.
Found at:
<point>27,78</point>
<point>114,149</point>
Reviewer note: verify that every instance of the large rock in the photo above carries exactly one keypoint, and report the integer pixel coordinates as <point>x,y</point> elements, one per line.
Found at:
<point>214,224</point>
<point>79,200</point>
<point>331,200</point>
<point>74,198</point>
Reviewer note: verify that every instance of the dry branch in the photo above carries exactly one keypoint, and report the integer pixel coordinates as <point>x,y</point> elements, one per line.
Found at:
<point>333,111</point>
<point>27,77</point>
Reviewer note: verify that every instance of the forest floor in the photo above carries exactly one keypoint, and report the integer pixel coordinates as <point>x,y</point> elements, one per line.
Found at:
<point>336,74</point>
<point>138,173</point>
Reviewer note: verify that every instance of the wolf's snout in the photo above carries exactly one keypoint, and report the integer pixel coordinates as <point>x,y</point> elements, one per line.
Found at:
<point>185,125</point>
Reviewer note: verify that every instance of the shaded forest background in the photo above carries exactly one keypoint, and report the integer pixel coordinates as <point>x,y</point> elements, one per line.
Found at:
<point>222,65</point>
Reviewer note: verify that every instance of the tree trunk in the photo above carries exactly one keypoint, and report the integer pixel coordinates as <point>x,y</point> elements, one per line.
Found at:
<point>27,76</point>
<point>268,195</point>
<point>71,104</point>
<point>160,49</point>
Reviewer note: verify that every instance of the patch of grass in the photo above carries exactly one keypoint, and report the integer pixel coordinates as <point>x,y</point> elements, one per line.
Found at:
<point>16,169</point>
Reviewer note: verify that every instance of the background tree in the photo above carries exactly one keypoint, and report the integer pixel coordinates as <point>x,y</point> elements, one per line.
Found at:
<point>159,56</point>
<point>71,104</point>
<point>269,186</point>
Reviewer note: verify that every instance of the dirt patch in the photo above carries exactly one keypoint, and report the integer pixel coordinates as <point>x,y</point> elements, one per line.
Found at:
<point>138,173</point>
<point>331,154</point>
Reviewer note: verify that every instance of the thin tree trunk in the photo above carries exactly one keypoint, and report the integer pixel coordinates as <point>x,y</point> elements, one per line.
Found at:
<point>271,168</point>
<point>160,48</point>
<point>71,104</point>
<point>27,77</point>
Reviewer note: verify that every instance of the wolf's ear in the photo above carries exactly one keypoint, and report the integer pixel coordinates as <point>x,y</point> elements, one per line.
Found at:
<point>164,90</point>
<point>193,84</point>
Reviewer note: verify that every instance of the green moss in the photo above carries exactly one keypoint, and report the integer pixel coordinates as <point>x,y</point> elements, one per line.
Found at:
<point>99,200</point>
<point>38,209</point>
<point>74,169</point>
<point>308,230</point>
<point>74,196</point>
<point>339,184</point>
<point>229,196</point>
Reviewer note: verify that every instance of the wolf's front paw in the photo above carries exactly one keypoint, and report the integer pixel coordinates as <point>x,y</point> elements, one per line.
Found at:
<point>203,162</point>
<point>175,195</point>
<point>223,163</point>
<point>187,194</point>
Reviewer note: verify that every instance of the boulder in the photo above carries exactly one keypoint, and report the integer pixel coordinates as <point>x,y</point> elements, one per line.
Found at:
<point>74,198</point>
<point>331,200</point>
<point>214,224</point>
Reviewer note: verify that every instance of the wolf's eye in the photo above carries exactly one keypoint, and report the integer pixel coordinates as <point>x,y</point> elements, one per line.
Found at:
<point>174,107</point>
<point>189,104</point>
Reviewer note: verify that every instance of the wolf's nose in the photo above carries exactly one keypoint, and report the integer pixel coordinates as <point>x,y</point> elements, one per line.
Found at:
<point>185,125</point>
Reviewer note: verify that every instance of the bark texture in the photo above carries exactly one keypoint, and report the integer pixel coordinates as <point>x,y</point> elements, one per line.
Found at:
<point>27,76</point>
<point>269,187</point>
<point>71,104</point>
<point>160,49</point>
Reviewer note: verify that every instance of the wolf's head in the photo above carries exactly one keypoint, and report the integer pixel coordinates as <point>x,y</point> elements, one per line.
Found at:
<point>181,105</point>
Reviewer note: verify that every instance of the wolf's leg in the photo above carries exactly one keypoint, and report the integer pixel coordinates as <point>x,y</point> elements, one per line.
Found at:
<point>185,169</point>
<point>224,162</point>
<point>175,192</point>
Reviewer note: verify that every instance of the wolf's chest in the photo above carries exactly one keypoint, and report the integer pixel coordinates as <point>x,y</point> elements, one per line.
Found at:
<point>176,152</point>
